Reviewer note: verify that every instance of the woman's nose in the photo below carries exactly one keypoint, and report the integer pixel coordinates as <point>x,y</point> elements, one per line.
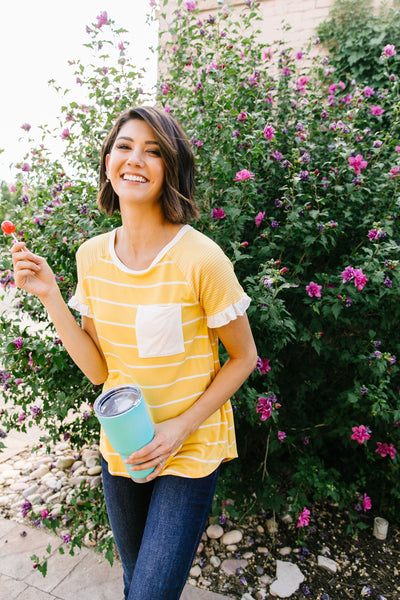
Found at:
<point>135,157</point>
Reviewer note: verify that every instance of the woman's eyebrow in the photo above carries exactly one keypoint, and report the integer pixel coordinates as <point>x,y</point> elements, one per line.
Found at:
<point>124,137</point>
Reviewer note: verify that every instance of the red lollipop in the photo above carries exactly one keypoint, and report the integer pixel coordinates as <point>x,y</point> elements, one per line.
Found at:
<point>8,227</point>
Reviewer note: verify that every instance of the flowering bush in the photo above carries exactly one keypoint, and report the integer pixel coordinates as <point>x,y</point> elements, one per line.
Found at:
<point>297,181</point>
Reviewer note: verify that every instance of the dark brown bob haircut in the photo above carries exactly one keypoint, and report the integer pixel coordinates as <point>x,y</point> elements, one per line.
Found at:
<point>177,199</point>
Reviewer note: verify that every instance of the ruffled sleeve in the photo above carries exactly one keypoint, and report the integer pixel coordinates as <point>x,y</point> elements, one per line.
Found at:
<point>230,313</point>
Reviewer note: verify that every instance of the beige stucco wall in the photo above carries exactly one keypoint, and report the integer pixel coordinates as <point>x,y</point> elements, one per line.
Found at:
<point>302,16</point>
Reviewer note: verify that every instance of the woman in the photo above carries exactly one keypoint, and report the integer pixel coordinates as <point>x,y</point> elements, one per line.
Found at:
<point>155,296</point>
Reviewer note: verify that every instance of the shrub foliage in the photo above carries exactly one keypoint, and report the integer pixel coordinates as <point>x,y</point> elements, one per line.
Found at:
<point>298,180</point>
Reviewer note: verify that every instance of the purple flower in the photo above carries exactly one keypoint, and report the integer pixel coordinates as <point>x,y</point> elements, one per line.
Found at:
<point>36,411</point>
<point>269,132</point>
<point>26,167</point>
<point>277,155</point>
<point>275,224</point>
<point>304,175</point>
<point>305,158</point>
<point>18,342</point>
<point>387,282</point>
<point>347,274</point>
<point>67,538</point>
<point>278,203</point>
<point>363,390</point>
<point>26,126</point>
<point>26,507</point>
<point>242,116</point>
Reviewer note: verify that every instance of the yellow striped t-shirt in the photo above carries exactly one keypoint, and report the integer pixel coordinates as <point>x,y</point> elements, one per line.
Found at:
<point>156,328</point>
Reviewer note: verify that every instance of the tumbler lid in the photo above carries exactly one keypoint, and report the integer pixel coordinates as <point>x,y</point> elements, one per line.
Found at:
<point>117,400</point>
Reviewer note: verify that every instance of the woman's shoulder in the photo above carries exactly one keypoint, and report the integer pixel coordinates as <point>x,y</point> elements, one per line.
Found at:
<point>94,247</point>
<point>196,240</point>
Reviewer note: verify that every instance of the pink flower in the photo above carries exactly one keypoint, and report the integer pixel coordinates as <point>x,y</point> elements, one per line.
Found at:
<point>397,148</point>
<point>21,417</point>
<point>67,184</point>
<point>314,289</point>
<point>45,513</point>
<point>102,19</point>
<point>372,234</point>
<point>377,110</point>
<point>385,450</point>
<point>242,116</point>
<point>245,244</point>
<point>218,213</point>
<point>367,504</point>
<point>190,5</point>
<point>199,143</point>
<point>268,53</point>
<point>281,436</point>
<point>302,82</point>
<point>347,274</point>
<point>358,163</point>
<point>389,50</point>
<point>359,279</point>
<point>265,408</point>
<point>269,132</point>
<point>121,46</point>
<point>26,167</point>
<point>395,172</point>
<point>361,434</point>
<point>243,175</point>
<point>12,188</point>
<point>259,218</point>
<point>304,518</point>
<point>26,126</point>
<point>65,134</point>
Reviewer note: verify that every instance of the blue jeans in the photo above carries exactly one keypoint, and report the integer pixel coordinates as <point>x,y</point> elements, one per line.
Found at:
<point>157,527</point>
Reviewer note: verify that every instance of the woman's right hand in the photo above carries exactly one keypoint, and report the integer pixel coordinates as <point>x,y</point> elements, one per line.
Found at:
<point>31,272</point>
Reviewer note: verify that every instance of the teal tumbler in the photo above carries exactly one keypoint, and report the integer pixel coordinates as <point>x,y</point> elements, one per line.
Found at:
<point>125,418</point>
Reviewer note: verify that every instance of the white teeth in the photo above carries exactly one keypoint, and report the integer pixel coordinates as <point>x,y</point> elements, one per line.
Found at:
<point>135,178</point>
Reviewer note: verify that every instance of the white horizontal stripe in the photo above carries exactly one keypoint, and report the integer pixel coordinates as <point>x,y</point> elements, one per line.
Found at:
<point>213,424</point>
<point>164,385</point>
<point>128,376</point>
<point>122,473</point>
<point>224,442</point>
<point>115,343</point>
<point>175,364</point>
<point>168,471</point>
<point>174,401</point>
<point>101,337</point>
<point>198,459</point>
<point>166,262</point>
<point>131,285</point>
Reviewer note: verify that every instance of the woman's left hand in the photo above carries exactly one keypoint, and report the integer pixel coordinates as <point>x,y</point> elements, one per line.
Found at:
<point>168,438</point>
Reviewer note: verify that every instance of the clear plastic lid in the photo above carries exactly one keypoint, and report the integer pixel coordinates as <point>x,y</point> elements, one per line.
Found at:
<point>117,400</point>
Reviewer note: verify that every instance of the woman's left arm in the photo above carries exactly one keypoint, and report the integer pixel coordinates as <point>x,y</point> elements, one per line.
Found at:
<point>238,341</point>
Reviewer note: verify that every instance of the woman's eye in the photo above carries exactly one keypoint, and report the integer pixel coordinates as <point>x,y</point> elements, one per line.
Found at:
<point>155,152</point>
<point>122,147</point>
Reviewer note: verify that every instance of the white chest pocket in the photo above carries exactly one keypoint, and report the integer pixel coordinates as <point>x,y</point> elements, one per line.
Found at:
<point>159,330</point>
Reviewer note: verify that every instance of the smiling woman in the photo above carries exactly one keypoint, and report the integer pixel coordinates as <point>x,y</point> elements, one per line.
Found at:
<point>155,296</point>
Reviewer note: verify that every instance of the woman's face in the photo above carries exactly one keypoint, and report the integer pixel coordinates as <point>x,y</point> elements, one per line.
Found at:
<point>134,165</point>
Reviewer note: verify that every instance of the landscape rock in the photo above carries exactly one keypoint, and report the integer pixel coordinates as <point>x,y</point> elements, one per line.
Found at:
<point>289,578</point>
<point>327,563</point>
<point>230,565</point>
<point>232,537</point>
<point>215,532</point>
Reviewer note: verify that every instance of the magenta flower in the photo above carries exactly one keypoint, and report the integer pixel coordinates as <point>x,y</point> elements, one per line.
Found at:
<point>67,538</point>
<point>242,116</point>
<point>243,175</point>
<point>218,213</point>
<point>358,163</point>
<point>102,19</point>
<point>26,167</point>
<point>367,504</point>
<point>389,50</point>
<point>18,342</point>
<point>12,188</point>
<point>121,46</point>
<point>395,172</point>
<point>347,274</point>
<point>314,289</point>
<point>65,134</point>
<point>304,518</point>
<point>361,434</point>
<point>359,279</point>
<point>45,513</point>
<point>281,436</point>
<point>264,366</point>
<point>368,91</point>
<point>385,450</point>
<point>269,132</point>
<point>268,53</point>
<point>372,234</point>
<point>377,110</point>
<point>190,5</point>
<point>26,126</point>
<point>259,218</point>
<point>264,407</point>
<point>21,417</point>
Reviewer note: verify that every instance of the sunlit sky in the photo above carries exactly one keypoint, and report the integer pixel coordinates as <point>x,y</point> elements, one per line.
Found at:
<point>37,38</point>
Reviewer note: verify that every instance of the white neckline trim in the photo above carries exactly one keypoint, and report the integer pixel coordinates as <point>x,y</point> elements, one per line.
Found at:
<point>159,256</point>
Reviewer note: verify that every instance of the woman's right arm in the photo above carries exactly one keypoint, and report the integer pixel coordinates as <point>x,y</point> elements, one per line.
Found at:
<point>33,274</point>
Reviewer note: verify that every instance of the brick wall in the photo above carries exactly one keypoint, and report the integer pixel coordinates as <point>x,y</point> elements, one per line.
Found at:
<point>301,15</point>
